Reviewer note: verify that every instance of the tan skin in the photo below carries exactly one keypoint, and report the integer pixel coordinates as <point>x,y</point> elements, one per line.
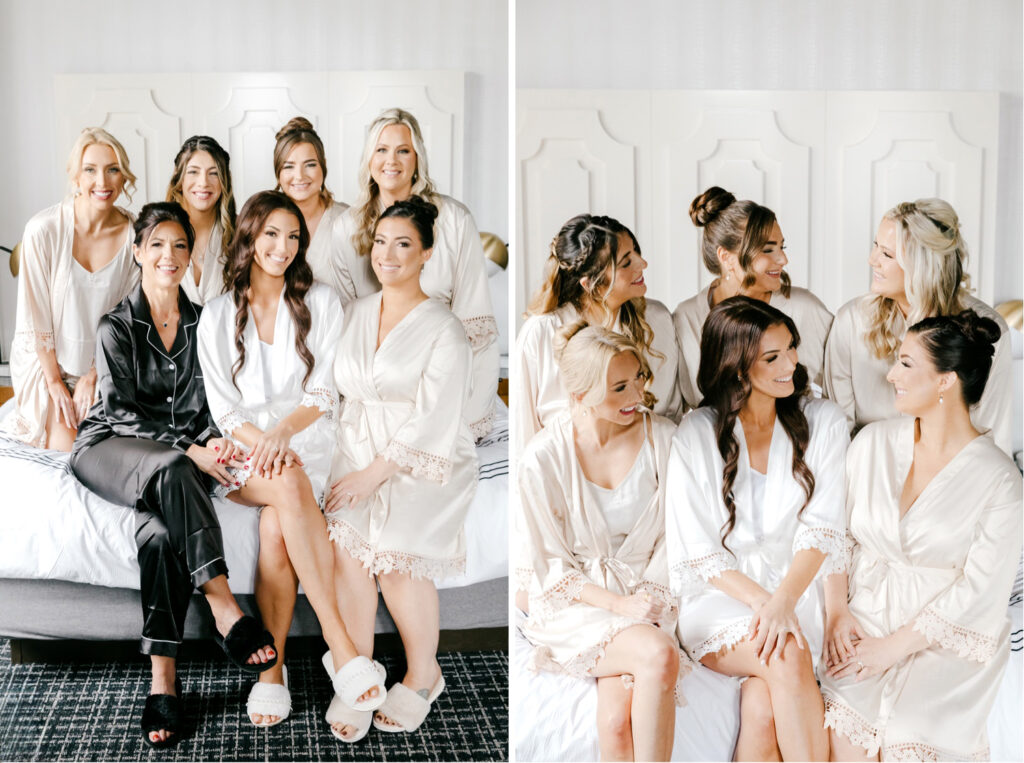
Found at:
<point>887,277</point>
<point>941,431</point>
<point>290,515</point>
<point>767,267</point>
<point>201,191</point>
<point>100,230</point>
<point>302,179</point>
<point>163,258</point>
<point>775,650</point>
<point>393,164</point>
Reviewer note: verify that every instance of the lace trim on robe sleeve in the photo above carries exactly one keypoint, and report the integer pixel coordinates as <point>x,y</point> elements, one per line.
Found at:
<point>829,541</point>
<point>231,421</point>
<point>482,427</point>
<point>662,593</point>
<point>480,330</point>
<point>565,591</point>
<point>418,462</point>
<point>967,643</point>
<point>322,398</point>
<point>31,341</point>
<point>522,577</point>
<point>692,573</point>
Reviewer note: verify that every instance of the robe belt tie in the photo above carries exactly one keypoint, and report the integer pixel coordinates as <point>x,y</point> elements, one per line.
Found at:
<point>605,567</point>
<point>354,422</point>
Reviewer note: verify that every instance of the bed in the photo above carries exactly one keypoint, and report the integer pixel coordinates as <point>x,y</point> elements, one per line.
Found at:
<point>68,566</point>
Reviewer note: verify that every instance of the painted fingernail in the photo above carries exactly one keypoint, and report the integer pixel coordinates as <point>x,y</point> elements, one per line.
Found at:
<point>247,458</point>
<point>216,447</point>
<point>237,484</point>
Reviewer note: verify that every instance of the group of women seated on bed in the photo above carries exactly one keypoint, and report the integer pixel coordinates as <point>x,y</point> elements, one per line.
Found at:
<point>333,365</point>
<point>857,590</point>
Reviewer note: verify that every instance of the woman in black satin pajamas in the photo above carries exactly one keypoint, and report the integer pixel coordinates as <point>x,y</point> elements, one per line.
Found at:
<point>149,442</point>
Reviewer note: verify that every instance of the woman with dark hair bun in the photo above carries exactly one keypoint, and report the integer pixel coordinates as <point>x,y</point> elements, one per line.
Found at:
<point>405,468</point>
<point>201,184</point>
<point>918,642</point>
<point>742,244</point>
<point>755,522</point>
<point>150,442</point>
<point>267,347</point>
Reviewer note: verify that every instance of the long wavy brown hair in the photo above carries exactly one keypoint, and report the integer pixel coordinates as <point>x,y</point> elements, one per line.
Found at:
<point>730,345</point>
<point>298,278</point>
<point>226,203</point>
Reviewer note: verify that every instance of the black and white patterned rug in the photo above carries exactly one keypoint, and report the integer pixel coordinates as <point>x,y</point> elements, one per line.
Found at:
<point>91,711</point>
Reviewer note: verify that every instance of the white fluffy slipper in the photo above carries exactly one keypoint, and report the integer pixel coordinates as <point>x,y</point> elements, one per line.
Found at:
<point>339,712</point>
<point>406,709</point>
<point>355,678</point>
<point>269,699</point>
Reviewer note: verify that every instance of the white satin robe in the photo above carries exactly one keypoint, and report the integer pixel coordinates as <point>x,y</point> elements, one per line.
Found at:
<point>406,400</point>
<point>541,392</point>
<point>326,244</point>
<point>45,278</point>
<point>455,274</point>
<point>811,317</point>
<point>264,405</point>
<point>566,544</point>
<point>947,567</point>
<point>765,538</point>
<point>211,280</point>
<point>855,378</point>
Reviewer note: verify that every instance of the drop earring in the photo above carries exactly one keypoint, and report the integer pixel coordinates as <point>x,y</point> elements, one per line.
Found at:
<point>940,398</point>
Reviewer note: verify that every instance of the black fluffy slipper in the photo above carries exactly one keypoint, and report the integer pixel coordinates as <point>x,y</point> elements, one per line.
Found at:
<point>246,637</point>
<point>163,711</point>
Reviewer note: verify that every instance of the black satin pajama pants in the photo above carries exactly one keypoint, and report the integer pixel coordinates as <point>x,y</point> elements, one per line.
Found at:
<point>176,529</point>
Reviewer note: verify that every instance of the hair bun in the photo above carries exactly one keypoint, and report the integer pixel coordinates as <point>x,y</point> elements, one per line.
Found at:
<point>423,206</point>
<point>565,335</point>
<point>978,330</point>
<point>709,205</point>
<point>295,124</point>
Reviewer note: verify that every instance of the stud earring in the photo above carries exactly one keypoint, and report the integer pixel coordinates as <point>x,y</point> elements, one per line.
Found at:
<point>728,275</point>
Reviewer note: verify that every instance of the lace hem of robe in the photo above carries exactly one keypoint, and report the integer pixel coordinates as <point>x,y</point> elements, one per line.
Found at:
<point>418,462</point>
<point>322,398</point>
<point>922,751</point>
<point>231,421</point>
<point>829,541</point>
<point>480,331</point>
<point>846,721</point>
<point>384,561</point>
<point>692,573</point>
<point>564,592</point>
<point>725,638</point>
<point>482,427</point>
<point>30,341</point>
<point>967,643</point>
<point>20,428</point>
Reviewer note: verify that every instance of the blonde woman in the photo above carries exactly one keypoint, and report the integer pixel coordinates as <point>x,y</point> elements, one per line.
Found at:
<point>595,273</point>
<point>743,246</point>
<point>592,494</point>
<point>394,168</point>
<point>917,271</point>
<point>300,166</point>
<point>76,265</point>
<point>201,184</point>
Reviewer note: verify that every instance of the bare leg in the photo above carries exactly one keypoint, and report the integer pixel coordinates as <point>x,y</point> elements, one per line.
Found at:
<point>414,608</point>
<point>59,436</point>
<point>844,749</point>
<point>651,656</point>
<point>162,683</point>
<point>614,727</point>
<point>276,592</point>
<point>796,701</point>
<point>757,723</point>
<point>226,613</point>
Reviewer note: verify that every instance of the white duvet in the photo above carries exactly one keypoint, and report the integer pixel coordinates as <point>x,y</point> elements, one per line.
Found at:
<point>52,528</point>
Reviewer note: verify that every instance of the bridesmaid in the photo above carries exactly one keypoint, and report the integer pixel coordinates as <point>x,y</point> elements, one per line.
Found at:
<point>405,469</point>
<point>918,648</point>
<point>592,492</point>
<point>201,184</point>
<point>742,244</point>
<point>917,265</point>
<point>595,273</point>
<point>300,166</point>
<point>394,168</point>
<point>754,521</point>
<point>76,265</point>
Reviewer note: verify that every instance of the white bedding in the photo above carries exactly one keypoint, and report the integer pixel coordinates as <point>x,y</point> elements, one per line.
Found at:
<point>554,717</point>
<point>52,528</point>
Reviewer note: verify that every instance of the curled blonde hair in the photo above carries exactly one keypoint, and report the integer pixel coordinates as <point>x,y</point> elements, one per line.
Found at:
<point>932,254</point>
<point>88,137</point>
<point>367,208</point>
<point>584,352</point>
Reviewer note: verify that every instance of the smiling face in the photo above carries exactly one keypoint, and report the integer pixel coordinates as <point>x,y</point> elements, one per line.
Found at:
<point>397,254</point>
<point>772,372</point>
<point>164,255</point>
<point>768,264</point>
<point>887,277</point>
<point>393,162</point>
<point>100,179</point>
<point>301,176</point>
<point>624,390</point>
<point>277,244</point>
<point>629,274</point>
<point>200,185</point>
<point>916,381</point>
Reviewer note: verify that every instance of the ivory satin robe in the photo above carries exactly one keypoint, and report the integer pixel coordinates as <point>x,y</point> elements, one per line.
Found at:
<point>42,321</point>
<point>811,317</point>
<point>455,274</point>
<point>211,280</point>
<point>326,244</point>
<point>765,538</point>
<point>947,567</point>
<point>566,544</point>
<point>541,392</point>
<point>264,395</point>
<point>406,401</point>
<point>855,378</point>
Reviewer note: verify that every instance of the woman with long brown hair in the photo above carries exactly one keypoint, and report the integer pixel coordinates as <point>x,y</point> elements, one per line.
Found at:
<point>266,349</point>
<point>201,184</point>
<point>755,519</point>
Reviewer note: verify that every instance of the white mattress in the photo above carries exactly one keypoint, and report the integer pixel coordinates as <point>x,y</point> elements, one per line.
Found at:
<point>554,717</point>
<point>55,529</point>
